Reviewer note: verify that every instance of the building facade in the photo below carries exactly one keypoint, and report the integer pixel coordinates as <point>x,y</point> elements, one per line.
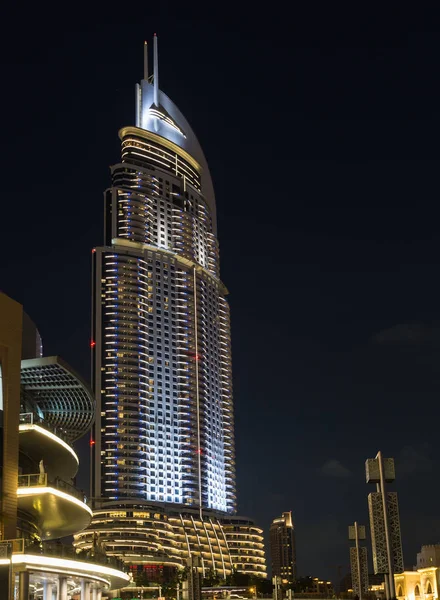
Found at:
<point>164,427</point>
<point>283,548</point>
<point>40,503</point>
<point>423,583</point>
<point>429,556</point>
<point>154,540</point>
<point>163,472</point>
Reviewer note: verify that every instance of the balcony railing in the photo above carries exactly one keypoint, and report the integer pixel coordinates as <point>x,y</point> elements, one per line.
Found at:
<point>40,479</point>
<point>8,547</point>
<point>63,551</point>
<point>30,418</point>
<point>58,550</point>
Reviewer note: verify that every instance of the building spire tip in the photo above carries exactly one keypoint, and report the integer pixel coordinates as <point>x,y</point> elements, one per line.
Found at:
<point>155,73</point>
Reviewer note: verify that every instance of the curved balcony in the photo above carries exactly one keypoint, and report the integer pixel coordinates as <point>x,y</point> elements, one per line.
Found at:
<point>40,441</point>
<point>52,561</point>
<point>57,508</point>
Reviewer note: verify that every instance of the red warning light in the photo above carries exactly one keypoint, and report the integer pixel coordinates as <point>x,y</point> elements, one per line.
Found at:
<point>92,442</point>
<point>197,356</point>
<point>92,344</point>
<point>93,250</point>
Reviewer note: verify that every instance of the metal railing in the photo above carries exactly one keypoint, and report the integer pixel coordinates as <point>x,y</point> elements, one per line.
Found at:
<point>32,480</point>
<point>30,418</point>
<point>56,549</point>
<point>59,550</point>
<point>7,547</point>
<point>40,479</point>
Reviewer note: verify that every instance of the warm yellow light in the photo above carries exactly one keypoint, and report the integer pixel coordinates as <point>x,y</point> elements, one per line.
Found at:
<point>74,573</point>
<point>49,434</point>
<point>163,141</point>
<point>32,491</point>
<point>51,561</point>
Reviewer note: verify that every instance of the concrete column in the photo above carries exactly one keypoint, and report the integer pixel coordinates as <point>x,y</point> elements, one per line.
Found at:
<point>62,588</point>
<point>99,595</point>
<point>94,593</point>
<point>47,590</point>
<point>85,590</point>
<point>23,585</point>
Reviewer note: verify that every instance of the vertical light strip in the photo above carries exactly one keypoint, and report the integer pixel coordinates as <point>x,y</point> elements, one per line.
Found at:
<point>200,545</point>
<point>197,395</point>
<point>220,547</point>
<point>214,566</point>
<point>226,542</point>
<point>186,535</point>
<point>98,376</point>
<point>1,388</point>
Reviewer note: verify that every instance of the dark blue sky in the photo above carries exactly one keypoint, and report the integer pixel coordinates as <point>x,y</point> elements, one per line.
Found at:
<point>322,136</point>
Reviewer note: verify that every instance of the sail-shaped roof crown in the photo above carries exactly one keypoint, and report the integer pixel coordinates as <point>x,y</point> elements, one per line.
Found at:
<point>156,113</point>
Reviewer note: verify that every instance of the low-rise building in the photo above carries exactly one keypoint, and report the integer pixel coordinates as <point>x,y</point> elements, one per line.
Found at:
<point>44,407</point>
<point>423,583</point>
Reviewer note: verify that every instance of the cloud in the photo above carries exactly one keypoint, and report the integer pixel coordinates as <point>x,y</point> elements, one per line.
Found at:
<point>333,468</point>
<point>415,333</point>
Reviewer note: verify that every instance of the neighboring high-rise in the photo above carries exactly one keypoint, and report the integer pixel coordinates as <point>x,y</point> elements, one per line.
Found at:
<point>163,472</point>
<point>282,547</point>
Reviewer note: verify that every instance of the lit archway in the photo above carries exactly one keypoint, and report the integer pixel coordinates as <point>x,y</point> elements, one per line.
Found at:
<point>429,588</point>
<point>417,591</point>
<point>399,591</point>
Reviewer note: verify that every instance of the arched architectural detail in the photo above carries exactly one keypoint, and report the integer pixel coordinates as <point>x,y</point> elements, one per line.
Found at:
<point>428,587</point>
<point>399,591</point>
<point>417,590</point>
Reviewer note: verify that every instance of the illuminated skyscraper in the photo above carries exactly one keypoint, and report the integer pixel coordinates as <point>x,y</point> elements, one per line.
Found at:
<point>164,427</point>
<point>163,464</point>
<point>282,547</point>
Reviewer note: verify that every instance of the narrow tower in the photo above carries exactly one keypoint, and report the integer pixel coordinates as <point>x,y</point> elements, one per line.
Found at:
<point>283,548</point>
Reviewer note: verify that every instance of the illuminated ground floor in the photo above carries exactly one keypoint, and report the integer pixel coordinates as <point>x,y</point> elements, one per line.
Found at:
<point>155,540</point>
<point>46,577</point>
<point>422,584</point>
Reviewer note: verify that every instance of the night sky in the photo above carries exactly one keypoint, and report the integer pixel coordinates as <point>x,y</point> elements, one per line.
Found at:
<point>322,135</point>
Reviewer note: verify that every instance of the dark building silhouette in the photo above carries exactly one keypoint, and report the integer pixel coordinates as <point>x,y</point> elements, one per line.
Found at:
<point>282,547</point>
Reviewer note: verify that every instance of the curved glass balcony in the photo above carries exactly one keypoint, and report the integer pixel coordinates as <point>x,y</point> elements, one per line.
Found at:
<point>41,441</point>
<point>49,563</point>
<point>58,508</point>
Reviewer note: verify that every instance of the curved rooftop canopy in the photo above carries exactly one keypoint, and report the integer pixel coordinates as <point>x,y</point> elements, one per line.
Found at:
<point>155,112</point>
<point>61,395</point>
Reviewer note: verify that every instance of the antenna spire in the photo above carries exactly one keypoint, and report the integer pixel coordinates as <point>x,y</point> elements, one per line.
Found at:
<point>156,73</point>
<point>146,61</point>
